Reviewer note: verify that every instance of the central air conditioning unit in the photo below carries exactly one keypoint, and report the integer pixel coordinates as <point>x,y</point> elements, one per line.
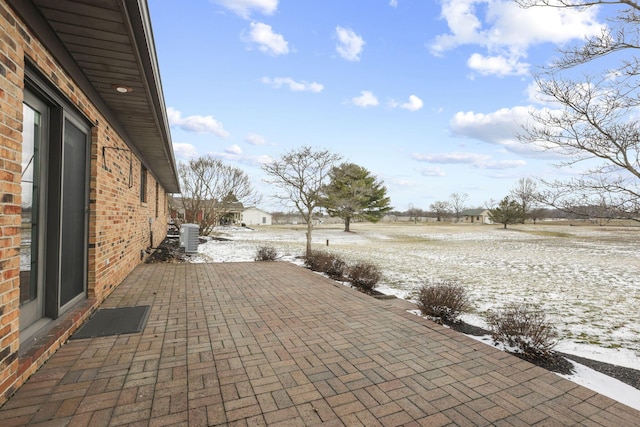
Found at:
<point>189,238</point>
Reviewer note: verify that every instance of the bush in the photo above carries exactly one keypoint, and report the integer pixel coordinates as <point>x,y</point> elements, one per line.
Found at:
<point>336,268</point>
<point>266,253</point>
<point>364,276</point>
<point>524,330</point>
<point>325,262</point>
<point>445,300</point>
<point>317,260</point>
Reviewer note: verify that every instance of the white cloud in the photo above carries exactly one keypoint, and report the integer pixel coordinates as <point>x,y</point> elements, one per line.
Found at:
<point>184,151</point>
<point>366,99</point>
<point>197,124</point>
<point>451,158</point>
<point>267,41</point>
<point>533,93</point>
<point>393,3</point>
<point>502,164</point>
<point>501,127</point>
<point>506,31</point>
<point>535,96</point>
<point>481,161</point>
<point>349,44</point>
<point>232,155</point>
<point>432,171</point>
<point>296,86</point>
<point>244,8</point>
<point>234,150</point>
<point>255,139</point>
<point>414,104</point>
<point>497,65</point>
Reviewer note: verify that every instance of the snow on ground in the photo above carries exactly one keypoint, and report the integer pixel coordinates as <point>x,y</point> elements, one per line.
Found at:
<point>605,385</point>
<point>585,278</point>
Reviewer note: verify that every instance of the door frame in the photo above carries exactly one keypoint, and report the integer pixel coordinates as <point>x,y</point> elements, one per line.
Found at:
<point>32,311</point>
<point>50,248</point>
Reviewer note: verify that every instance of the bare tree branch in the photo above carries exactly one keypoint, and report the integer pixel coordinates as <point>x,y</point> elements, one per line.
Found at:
<point>458,204</point>
<point>300,176</point>
<point>596,122</point>
<point>211,190</point>
<point>525,194</point>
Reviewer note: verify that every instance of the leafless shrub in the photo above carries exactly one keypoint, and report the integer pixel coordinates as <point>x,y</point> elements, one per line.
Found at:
<point>317,260</point>
<point>364,276</point>
<point>445,300</point>
<point>266,253</point>
<point>522,329</point>
<point>325,262</point>
<point>336,268</point>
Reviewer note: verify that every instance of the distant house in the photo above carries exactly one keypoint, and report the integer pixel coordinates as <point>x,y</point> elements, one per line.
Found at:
<point>476,216</point>
<point>229,213</point>
<point>255,216</point>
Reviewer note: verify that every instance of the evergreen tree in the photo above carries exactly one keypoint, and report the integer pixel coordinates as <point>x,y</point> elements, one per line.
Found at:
<point>507,212</point>
<point>353,192</point>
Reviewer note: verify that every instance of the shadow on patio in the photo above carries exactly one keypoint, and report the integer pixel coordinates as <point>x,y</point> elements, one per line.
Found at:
<point>275,344</point>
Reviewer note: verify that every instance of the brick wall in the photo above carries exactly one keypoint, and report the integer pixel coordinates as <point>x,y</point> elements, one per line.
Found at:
<point>116,206</point>
<point>10,169</point>
<point>120,224</point>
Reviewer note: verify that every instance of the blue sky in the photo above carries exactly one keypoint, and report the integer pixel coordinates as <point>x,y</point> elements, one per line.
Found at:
<point>427,95</point>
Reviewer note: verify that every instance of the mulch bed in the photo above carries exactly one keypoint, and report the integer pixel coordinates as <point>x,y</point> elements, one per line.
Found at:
<point>168,251</point>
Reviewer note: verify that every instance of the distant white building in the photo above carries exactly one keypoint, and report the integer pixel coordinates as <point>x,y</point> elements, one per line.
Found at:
<point>476,216</point>
<point>255,216</point>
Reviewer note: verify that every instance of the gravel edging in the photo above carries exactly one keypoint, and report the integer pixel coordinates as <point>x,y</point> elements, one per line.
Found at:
<point>623,374</point>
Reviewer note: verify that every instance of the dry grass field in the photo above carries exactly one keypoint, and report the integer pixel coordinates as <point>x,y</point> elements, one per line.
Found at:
<point>586,277</point>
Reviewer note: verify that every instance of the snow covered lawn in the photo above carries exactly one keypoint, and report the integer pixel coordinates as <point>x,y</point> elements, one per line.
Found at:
<point>586,278</point>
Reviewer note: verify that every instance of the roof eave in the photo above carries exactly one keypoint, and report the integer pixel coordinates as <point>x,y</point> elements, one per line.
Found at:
<point>135,16</point>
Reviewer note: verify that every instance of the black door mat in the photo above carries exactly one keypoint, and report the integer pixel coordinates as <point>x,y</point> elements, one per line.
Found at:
<point>114,321</point>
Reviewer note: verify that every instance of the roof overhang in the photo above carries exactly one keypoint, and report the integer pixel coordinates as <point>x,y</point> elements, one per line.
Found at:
<point>106,45</point>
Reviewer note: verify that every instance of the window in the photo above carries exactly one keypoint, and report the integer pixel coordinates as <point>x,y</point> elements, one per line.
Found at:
<point>143,184</point>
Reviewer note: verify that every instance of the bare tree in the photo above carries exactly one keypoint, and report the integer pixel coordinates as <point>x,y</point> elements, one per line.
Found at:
<point>537,214</point>
<point>597,122</point>
<point>491,203</point>
<point>458,204</point>
<point>414,213</point>
<point>210,190</point>
<point>441,209</point>
<point>301,175</point>
<point>525,192</point>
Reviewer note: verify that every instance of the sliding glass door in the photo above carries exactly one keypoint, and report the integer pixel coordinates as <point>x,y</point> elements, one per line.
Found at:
<point>53,245</point>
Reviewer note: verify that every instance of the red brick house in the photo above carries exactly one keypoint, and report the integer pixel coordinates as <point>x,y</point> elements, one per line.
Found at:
<point>86,166</point>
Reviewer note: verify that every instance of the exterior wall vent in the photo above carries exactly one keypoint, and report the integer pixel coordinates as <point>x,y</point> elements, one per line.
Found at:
<point>189,238</point>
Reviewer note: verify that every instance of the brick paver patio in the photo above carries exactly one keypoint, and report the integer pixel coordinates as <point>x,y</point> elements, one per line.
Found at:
<point>252,344</point>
